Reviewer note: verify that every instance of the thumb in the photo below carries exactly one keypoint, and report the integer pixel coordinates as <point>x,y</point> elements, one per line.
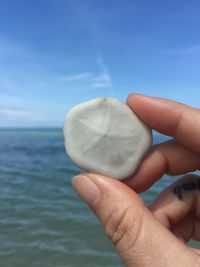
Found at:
<point>139,238</point>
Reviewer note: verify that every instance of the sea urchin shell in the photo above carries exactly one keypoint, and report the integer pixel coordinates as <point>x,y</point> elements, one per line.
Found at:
<point>105,136</point>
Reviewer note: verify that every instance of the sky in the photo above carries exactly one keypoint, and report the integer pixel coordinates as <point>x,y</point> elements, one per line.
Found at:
<point>55,54</point>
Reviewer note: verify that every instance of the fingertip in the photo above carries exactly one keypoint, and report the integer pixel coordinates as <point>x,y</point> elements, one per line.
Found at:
<point>132,97</point>
<point>137,96</point>
<point>143,105</point>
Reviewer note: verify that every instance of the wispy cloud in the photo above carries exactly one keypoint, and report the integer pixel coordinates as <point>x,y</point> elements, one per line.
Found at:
<point>77,77</point>
<point>13,113</point>
<point>27,84</point>
<point>102,79</point>
<point>185,50</point>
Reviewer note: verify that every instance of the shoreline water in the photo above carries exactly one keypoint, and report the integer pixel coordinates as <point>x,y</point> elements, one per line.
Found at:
<point>43,222</point>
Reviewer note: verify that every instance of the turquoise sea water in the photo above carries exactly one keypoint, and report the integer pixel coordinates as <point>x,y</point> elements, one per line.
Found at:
<point>42,221</point>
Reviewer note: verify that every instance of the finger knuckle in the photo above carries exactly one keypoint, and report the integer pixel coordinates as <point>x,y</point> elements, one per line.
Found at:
<point>123,227</point>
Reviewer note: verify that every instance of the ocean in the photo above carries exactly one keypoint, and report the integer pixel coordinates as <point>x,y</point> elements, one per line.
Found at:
<point>43,223</point>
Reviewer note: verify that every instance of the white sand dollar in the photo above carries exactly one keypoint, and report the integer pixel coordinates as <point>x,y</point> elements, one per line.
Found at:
<point>105,136</point>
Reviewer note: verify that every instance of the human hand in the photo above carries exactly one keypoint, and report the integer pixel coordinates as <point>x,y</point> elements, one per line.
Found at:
<point>154,236</point>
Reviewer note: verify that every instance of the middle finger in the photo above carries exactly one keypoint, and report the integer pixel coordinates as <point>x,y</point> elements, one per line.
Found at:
<point>169,157</point>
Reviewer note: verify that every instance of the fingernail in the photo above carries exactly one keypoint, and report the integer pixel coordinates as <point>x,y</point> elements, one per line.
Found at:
<point>86,189</point>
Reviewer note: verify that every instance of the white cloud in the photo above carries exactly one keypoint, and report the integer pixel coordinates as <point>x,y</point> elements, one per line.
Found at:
<point>94,80</point>
<point>185,51</point>
<point>104,78</point>
<point>18,114</point>
<point>27,71</point>
<point>77,77</point>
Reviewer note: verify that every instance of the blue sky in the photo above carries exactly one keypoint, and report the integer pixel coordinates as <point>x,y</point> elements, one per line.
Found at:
<point>55,54</point>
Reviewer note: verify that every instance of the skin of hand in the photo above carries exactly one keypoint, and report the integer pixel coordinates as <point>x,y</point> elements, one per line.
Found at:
<point>154,236</point>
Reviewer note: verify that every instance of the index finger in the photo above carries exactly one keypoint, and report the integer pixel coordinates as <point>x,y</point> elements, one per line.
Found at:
<point>170,118</point>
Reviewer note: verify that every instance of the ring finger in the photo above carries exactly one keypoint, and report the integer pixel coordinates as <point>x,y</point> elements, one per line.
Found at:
<point>178,208</point>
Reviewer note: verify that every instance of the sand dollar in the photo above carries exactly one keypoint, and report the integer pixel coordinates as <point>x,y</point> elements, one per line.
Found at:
<point>105,136</point>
